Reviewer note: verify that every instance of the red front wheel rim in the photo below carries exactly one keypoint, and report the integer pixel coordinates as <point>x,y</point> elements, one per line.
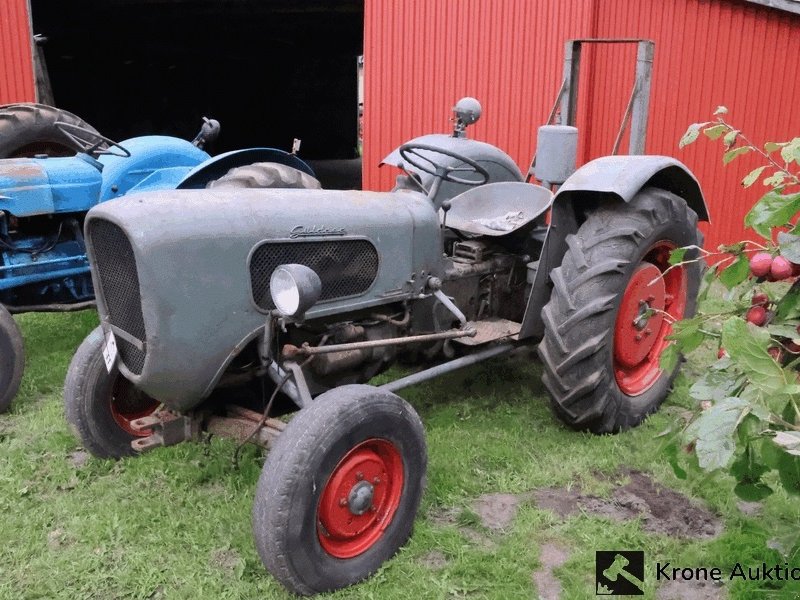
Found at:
<point>128,404</point>
<point>654,298</point>
<point>360,498</point>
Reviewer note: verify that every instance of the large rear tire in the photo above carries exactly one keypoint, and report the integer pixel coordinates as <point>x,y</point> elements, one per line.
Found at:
<point>100,405</point>
<point>611,309</point>
<point>265,175</point>
<point>12,358</point>
<point>29,129</point>
<point>340,489</point>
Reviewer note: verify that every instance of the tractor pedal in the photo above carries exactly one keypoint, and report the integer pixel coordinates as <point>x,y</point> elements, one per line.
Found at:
<point>490,330</point>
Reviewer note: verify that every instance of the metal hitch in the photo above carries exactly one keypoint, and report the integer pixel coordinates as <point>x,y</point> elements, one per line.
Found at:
<point>168,429</point>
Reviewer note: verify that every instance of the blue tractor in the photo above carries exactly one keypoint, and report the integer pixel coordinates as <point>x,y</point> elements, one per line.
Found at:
<point>44,199</point>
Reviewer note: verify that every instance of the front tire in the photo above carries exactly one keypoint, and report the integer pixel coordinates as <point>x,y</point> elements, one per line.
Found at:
<point>12,358</point>
<point>340,489</point>
<point>611,309</point>
<point>100,405</point>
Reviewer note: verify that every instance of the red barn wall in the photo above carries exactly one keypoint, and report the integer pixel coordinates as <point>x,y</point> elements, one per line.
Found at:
<point>420,56</point>
<point>16,58</point>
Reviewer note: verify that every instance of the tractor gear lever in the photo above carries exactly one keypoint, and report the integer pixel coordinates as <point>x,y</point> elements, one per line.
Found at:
<point>208,132</point>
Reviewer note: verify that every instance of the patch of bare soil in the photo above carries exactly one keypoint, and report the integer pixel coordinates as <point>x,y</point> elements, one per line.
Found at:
<point>690,590</point>
<point>496,511</point>
<point>551,556</point>
<point>434,560</point>
<point>79,458</point>
<point>227,560</point>
<point>661,510</point>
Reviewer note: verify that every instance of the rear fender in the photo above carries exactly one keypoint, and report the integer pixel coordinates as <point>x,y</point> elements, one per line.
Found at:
<point>610,177</point>
<point>213,169</point>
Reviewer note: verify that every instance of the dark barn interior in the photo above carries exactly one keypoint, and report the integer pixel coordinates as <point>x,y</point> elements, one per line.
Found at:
<point>268,70</point>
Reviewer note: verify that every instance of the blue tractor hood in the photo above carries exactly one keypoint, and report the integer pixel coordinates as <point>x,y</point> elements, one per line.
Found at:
<point>38,186</point>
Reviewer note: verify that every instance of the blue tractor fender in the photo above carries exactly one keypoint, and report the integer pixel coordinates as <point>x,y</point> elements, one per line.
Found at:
<point>619,177</point>
<point>218,166</point>
<point>149,155</point>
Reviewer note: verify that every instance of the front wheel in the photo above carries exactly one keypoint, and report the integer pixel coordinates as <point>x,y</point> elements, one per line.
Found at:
<point>612,306</point>
<point>340,489</point>
<point>12,358</point>
<point>99,405</point>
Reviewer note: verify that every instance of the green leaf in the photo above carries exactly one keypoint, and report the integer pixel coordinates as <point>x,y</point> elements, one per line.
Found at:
<point>791,151</point>
<point>669,358</point>
<point>721,110</point>
<point>752,176</point>
<point>715,131</point>
<point>736,272</point>
<point>789,305</point>
<point>692,133</point>
<point>714,385</point>
<point>787,329</point>
<point>730,138</point>
<point>748,472</point>
<point>747,346</point>
<point>687,334</point>
<point>672,452</point>
<point>772,210</point>
<point>790,246</point>
<point>772,146</point>
<point>789,441</point>
<point>731,154</point>
<point>676,256</point>
<point>789,473</point>
<point>775,180</point>
<point>713,432</point>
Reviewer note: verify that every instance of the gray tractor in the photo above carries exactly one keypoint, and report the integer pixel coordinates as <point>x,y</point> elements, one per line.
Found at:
<point>243,301</point>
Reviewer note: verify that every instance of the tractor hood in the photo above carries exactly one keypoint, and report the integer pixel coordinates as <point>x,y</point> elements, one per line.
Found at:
<point>40,186</point>
<point>182,276</point>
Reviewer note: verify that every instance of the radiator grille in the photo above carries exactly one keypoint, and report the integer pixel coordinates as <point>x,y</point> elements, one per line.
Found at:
<point>116,268</point>
<point>345,267</point>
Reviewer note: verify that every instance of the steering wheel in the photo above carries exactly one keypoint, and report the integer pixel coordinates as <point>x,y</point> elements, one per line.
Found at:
<point>78,134</point>
<point>410,154</point>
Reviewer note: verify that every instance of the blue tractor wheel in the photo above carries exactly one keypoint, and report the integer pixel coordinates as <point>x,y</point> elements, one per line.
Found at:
<point>12,358</point>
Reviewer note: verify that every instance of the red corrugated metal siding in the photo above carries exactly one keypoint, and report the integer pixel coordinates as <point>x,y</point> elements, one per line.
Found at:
<point>420,56</point>
<point>708,52</point>
<point>16,58</point>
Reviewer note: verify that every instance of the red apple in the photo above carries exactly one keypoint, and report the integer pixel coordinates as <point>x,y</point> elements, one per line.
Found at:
<point>759,300</point>
<point>722,353</point>
<point>780,268</point>
<point>760,264</point>
<point>757,315</point>
<point>775,353</point>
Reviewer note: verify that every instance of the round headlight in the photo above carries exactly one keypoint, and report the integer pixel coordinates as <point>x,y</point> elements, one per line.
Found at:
<point>294,289</point>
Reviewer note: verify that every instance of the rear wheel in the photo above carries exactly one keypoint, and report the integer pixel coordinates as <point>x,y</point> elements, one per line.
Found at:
<point>340,489</point>
<point>612,305</point>
<point>101,405</point>
<point>265,175</point>
<point>29,129</point>
<point>12,358</point>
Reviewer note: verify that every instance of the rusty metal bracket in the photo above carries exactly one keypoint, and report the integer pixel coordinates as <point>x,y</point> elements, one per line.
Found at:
<point>166,429</point>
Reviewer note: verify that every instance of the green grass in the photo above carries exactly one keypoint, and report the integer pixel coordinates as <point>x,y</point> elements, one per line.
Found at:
<point>175,523</point>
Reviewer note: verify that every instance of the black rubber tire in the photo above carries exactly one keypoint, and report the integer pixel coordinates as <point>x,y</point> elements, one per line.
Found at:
<point>577,349</point>
<point>265,175</point>
<point>297,470</point>
<point>12,358</point>
<point>29,129</point>
<point>88,391</point>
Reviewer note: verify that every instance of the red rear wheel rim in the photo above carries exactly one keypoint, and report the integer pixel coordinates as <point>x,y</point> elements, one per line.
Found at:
<point>360,498</point>
<point>128,404</point>
<point>650,304</point>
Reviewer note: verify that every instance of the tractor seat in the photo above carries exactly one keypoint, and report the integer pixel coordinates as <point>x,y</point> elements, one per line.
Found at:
<point>497,209</point>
